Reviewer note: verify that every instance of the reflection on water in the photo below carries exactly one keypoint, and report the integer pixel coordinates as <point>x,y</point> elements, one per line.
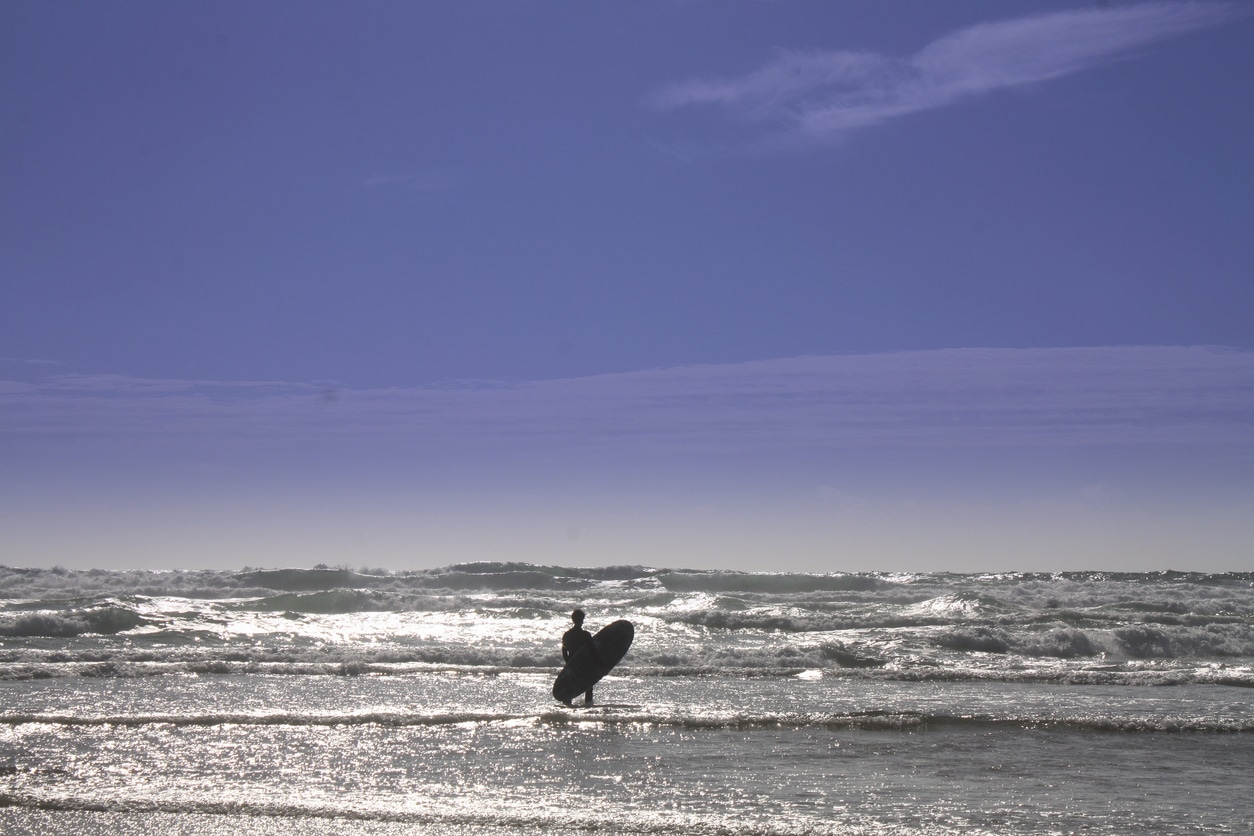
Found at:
<point>698,755</point>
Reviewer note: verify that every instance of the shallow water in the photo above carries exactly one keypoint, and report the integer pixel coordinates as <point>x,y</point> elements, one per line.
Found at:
<point>688,754</point>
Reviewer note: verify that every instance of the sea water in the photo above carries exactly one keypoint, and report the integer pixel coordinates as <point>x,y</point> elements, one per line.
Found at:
<point>328,701</point>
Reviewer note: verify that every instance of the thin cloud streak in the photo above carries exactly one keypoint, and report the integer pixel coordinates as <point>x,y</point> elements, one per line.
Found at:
<point>826,95</point>
<point>1044,398</point>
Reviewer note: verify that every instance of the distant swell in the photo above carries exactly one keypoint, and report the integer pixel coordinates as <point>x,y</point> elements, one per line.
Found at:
<point>499,577</point>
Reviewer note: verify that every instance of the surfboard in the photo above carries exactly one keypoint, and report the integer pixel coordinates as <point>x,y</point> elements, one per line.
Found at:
<point>594,660</point>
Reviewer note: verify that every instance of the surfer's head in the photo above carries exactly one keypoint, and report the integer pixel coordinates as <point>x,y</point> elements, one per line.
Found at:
<point>577,617</point>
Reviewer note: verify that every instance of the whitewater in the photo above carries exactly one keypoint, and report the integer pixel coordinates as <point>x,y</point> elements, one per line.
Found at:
<point>333,700</point>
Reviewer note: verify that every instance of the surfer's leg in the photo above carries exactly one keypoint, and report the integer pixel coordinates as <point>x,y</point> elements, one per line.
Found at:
<point>587,697</point>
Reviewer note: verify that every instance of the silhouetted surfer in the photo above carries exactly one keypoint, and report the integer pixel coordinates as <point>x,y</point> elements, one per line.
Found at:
<point>573,641</point>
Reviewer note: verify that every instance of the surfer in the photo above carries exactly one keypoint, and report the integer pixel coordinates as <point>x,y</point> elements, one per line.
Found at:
<point>573,641</point>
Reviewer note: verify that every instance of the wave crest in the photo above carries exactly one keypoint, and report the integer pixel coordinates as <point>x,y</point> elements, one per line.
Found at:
<point>107,619</point>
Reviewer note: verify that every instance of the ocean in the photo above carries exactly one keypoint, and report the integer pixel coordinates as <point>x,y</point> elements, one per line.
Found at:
<point>340,701</point>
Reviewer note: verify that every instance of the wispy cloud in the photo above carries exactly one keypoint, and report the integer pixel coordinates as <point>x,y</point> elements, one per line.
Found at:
<point>825,95</point>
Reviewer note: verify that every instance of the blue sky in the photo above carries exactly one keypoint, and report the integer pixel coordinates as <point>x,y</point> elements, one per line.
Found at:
<point>765,285</point>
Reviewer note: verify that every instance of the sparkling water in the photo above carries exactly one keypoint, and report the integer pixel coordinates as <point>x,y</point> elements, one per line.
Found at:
<point>331,701</point>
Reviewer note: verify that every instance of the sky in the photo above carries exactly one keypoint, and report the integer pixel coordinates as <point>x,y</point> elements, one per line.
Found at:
<point>773,286</point>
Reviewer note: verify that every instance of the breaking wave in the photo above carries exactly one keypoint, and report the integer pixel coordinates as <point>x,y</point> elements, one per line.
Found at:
<point>1162,627</point>
<point>105,619</point>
